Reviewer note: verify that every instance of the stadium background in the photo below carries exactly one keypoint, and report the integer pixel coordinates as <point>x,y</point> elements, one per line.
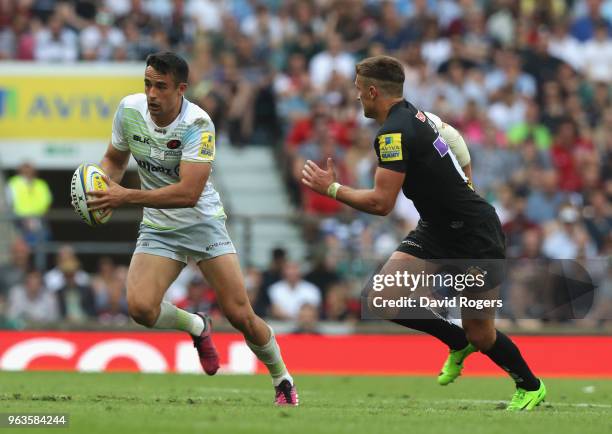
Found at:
<point>528,84</point>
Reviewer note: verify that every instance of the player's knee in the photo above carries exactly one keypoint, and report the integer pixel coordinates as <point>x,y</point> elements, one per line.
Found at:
<point>241,316</point>
<point>481,337</point>
<point>142,312</point>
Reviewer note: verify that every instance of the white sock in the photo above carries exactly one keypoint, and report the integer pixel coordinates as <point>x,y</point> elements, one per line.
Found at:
<point>270,355</point>
<point>171,317</point>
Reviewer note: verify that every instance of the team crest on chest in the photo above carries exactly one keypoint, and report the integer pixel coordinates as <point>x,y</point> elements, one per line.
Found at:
<point>173,144</point>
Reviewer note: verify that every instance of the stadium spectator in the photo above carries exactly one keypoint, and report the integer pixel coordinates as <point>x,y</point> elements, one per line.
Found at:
<point>597,55</point>
<point>31,302</point>
<point>271,275</point>
<point>307,320</point>
<point>598,219</point>
<point>17,40</point>
<point>264,29</point>
<point>102,280</point>
<point>564,46</point>
<point>288,295</point>
<point>539,63</point>
<point>435,48</point>
<point>77,303</point>
<point>65,258</point>
<point>200,298</point>
<point>14,272</point>
<point>332,60</point>
<point>178,288</point>
<point>338,306</point>
<point>30,199</point>
<point>322,146</point>
<point>567,152</point>
<point>112,310</point>
<point>56,42</point>
<point>102,41</point>
<point>392,32</point>
<point>360,161</point>
<point>544,199</point>
<point>583,28</point>
<point>508,110</point>
<point>567,238</point>
<point>518,223</point>
<point>207,14</point>
<point>531,128</point>
<point>323,273</point>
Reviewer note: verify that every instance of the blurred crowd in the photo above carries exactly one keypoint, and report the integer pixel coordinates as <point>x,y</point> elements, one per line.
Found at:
<point>527,82</point>
<point>67,295</point>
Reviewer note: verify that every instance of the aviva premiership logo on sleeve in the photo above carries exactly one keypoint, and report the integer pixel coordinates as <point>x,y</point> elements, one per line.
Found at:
<point>390,147</point>
<point>207,148</point>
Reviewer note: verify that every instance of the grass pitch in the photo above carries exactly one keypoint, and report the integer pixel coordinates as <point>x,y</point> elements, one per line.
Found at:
<point>145,403</point>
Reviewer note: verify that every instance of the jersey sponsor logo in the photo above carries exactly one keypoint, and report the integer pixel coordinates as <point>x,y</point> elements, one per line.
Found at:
<point>218,244</point>
<point>173,144</point>
<point>390,147</point>
<point>157,169</point>
<point>160,130</point>
<point>145,140</point>
<point>456,224</point>
<point>441,146</point>
<point>412,243</point>
<point>207,147</point>
<point>8,102</point>
<point>421,116</point>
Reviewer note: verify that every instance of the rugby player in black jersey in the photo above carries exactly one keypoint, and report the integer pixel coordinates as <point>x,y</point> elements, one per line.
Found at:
<point>456,223</point>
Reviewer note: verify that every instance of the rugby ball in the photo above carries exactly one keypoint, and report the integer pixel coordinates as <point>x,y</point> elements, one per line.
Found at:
<point>86,178</point>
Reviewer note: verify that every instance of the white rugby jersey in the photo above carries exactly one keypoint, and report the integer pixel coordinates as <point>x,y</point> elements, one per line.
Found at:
<point>159,151</point>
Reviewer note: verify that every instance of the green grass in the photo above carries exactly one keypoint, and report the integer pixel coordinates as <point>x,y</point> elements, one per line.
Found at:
<point>146,403</point>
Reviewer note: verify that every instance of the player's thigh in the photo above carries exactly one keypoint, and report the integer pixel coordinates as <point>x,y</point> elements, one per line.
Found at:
<point>149,277</point>
<point>224,275</point>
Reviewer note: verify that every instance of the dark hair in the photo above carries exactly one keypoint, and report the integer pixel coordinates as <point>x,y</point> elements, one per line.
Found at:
<point>278,253</point>
<point>168,62</point>
<point>387,73</point>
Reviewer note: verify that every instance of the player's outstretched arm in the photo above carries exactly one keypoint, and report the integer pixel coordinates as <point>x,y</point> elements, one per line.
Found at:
<point>115,162</point>
<point>379,200</point>
<point>183,194</point>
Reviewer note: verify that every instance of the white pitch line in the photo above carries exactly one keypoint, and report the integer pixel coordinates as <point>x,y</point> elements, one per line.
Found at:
<point>493,401</point>
<point>466,400</point>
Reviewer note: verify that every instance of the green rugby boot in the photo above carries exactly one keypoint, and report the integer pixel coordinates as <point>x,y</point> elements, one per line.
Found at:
<point>527,400</point>
<point>454,364</point>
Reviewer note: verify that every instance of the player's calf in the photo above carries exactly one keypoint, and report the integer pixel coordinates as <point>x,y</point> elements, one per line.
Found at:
<point>480,334</point>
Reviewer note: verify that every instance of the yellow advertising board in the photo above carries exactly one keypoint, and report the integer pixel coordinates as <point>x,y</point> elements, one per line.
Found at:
<point>62,106</point>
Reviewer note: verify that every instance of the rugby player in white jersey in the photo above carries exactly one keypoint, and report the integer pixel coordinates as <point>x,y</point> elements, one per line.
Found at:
<point>173,142</point>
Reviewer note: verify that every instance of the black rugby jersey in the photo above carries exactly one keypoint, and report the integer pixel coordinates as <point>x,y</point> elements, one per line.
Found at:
<point>409,142</point>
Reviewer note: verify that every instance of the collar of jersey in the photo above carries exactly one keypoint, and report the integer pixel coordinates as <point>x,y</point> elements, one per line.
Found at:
<point>397,105</point>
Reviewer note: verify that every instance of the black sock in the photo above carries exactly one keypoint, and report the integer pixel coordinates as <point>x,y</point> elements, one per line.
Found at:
<point>507,356</point>
<point>449,333</point>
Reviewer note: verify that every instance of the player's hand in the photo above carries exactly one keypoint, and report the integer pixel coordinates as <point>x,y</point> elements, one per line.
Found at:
<point>318,179</point>
<point>113,197</point>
